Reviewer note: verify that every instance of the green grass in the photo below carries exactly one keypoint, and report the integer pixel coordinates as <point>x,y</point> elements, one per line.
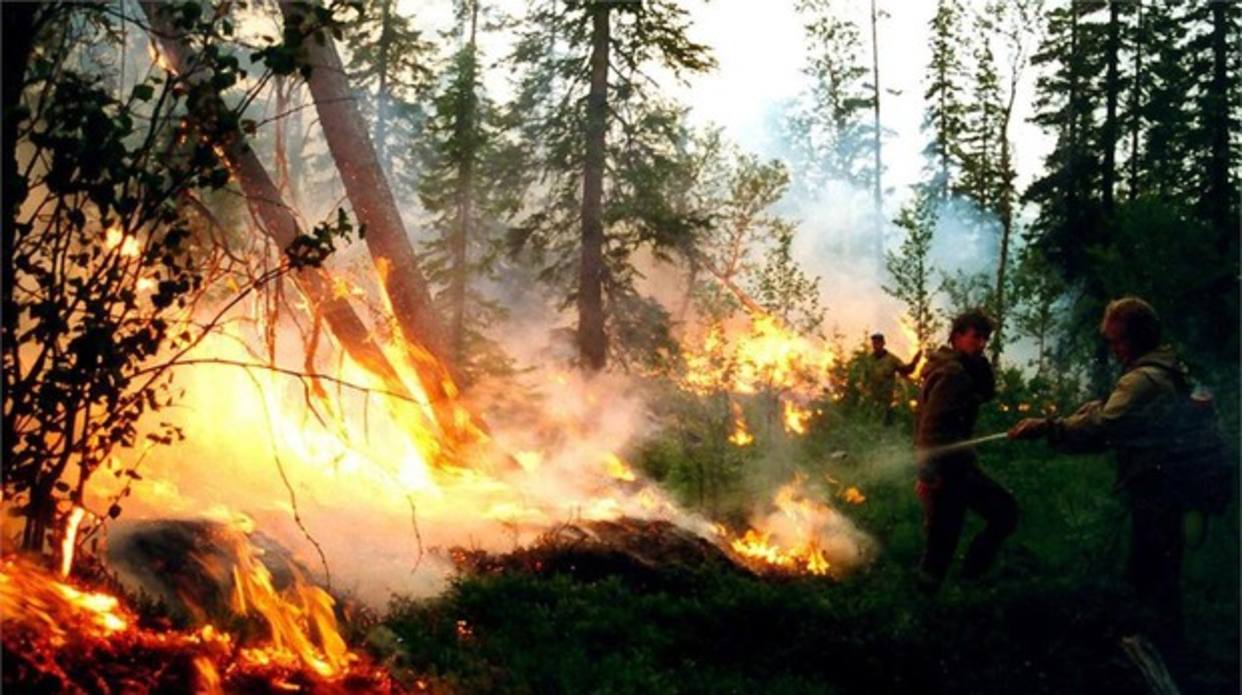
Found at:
<point>1048,620</point>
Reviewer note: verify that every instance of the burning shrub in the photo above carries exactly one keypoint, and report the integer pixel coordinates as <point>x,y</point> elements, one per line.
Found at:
<point>59,637</point>
<point>109,252</point>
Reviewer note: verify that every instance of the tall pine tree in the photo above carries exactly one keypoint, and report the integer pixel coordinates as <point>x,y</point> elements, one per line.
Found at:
<point>471,182</point>
<point>603,140</point>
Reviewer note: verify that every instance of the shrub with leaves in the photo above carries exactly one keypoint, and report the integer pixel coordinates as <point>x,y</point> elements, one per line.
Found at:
<point>109,261</point>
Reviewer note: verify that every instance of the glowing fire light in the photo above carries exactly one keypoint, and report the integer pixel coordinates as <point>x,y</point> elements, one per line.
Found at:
<point>43,615</point>
<point>617,468</point>
<point>158,58</point>
<point>528,460</point>
<point>765,356</point>
<point>801,535</point>
<point>741,436</point>
<point>853,495</point>
<point>68,543</point>
<point>115,237</point>
<point>796,418</point>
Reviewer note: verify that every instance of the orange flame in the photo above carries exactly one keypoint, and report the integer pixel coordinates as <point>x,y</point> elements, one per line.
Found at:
<point>801,535</point>
<point>853,495</point>
<point>796,418</point>
<point>741,435</point>
<point>617,468</point>
<point>115,237</point>
<point>69,542</point>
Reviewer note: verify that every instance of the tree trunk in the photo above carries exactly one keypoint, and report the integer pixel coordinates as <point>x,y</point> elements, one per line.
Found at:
<point>1218,191</point>
<point>278,222</point>
<point>878,191</point>
<point>592,341</point>
<point>373,203</point>
<point>459,244</point>
<point>1112,88</point>
<point>1006,215</point>
<point>18,34</point>
<point>381,97</point>
<point>1136,100</point>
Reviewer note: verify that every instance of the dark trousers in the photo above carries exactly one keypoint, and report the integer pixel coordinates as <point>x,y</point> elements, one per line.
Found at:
<point>1154,566</point>
<point>944,512</point>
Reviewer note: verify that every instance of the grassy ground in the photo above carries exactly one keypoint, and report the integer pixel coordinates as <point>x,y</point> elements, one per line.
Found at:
<point>1049,619</point>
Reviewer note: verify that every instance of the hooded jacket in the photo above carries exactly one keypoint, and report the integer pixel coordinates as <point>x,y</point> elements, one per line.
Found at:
<point>954,386</point>
<point>1136,420</point>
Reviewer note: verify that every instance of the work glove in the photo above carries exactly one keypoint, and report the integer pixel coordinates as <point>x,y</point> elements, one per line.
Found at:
<point>1030,428</point>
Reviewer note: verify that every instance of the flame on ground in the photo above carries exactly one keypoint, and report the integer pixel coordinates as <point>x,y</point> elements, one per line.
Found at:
<point>70,539</point>
<point>741,435</point>
<point>58,634</point>
<point>800,535</point>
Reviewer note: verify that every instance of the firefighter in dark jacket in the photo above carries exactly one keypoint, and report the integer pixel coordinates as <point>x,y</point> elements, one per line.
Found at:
<point>957,379</point>
<point>1134,422</point>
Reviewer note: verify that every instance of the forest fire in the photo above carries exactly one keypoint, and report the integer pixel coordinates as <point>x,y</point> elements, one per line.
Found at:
<point>800,535</point>
<point>761,355</point>
<point>60,637</point>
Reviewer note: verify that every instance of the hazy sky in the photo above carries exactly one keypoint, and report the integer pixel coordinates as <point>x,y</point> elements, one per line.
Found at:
<point>760,48</point>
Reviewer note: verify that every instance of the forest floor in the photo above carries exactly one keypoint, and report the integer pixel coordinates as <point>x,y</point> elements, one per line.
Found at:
<point>1049,619</point>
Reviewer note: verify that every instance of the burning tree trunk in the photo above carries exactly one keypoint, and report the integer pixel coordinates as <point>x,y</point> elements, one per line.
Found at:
<point>373,203</point>
<point>592,341</point>
<point>278,222</point>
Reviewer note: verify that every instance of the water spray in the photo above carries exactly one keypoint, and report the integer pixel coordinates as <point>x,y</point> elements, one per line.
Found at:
<point>964,444</point>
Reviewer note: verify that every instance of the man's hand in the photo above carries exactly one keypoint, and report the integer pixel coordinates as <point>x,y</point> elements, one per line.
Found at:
<point>1030,428</point>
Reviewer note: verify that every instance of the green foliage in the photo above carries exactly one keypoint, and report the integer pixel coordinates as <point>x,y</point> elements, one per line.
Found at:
<point>783,287</point>
<point>1052,616</point>
<point>831,128</point>
<point>945,97</point>
<point>389,67</point>
<point>1036,298</point>
<point>1149,231</point>
<point>745,248</point>
<point>644,134</point>
<point>108,256</point>
<point>910,268</point>
<point>472,182</point>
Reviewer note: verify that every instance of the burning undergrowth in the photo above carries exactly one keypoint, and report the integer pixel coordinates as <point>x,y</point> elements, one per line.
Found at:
<point>371,492</point>
<point>62,636</point>
<point>288,483</point>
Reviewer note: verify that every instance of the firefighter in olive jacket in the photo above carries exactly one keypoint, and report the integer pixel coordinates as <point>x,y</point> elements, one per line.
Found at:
<point>882,368</point>
<point>1136,421</point>
<point>957,379</point>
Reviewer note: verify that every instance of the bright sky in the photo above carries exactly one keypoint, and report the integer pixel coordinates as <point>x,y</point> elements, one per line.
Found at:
<point>760,48</point>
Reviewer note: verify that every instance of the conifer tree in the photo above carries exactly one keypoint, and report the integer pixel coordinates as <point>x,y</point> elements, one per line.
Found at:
<point>832,135</point>
<point>945,96</point>
<point>910,268</point>
<point>1067,194</point>
<point>389,66</point>
<point>603,140</point>
<point>471,183</point>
